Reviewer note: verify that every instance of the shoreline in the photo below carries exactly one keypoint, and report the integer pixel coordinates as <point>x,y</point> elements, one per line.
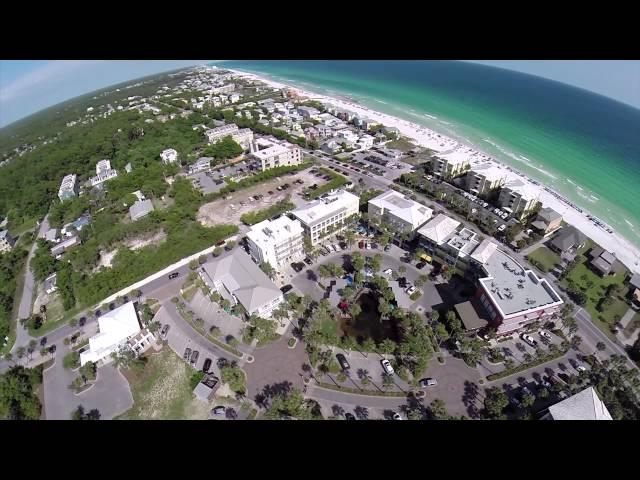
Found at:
<point>445,146</point>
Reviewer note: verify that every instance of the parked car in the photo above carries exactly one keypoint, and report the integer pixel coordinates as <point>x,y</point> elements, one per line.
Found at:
<point>173,275</point>
<point>387,366</point>
<point>308,261</point>
<point>206,365</point>
<point>219,411</point>
<point>388,271</point>
<point>411,290</point>
<point>420,265</point>
<point>581,368</point>
<point>286,288</point>
<point>342,360</point>
<point>194,357</point>
<point>428,382</point>
<point>187,354</point>
<point>397,416</point>
<point>530,340</point>
<point>164,331</point>
<point>545,334</point>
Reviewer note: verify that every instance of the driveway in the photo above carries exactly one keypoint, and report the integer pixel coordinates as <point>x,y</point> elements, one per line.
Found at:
<point>277,368</point>
<point>110,395</point>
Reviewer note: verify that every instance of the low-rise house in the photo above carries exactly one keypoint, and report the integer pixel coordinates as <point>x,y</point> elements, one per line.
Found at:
<point>6,241</point>
<point>51,235</point>
<point>50,283</point>
<point>568,240</point>
<point>76,226</point>
<point>324,131</point>
<point>365,142</point>
<point>239,280</point>
<point>547,221</point>
<point>332,147</point>
<point>585,405</point>
<point>169,156</point>
<point>128,168</point>
<point>115,327</point>
<point>62,247</point>
<point>308,112</point>
<point>140,209</point>
<point>604,263</point>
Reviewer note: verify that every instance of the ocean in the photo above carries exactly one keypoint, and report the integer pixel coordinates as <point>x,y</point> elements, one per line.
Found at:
<point>583,145</point>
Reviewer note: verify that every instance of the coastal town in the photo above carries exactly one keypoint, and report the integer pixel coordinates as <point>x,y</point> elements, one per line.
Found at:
<point>237,249</point>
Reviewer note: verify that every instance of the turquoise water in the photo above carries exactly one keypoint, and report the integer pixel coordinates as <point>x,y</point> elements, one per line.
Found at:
<point>583,145</point>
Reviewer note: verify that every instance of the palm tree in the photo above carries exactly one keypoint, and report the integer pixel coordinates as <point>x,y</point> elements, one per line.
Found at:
<point>354,310</point>
<point>350,237</point>
<point>368,346</point>
<point>20,352</point>
<point>267,269</point>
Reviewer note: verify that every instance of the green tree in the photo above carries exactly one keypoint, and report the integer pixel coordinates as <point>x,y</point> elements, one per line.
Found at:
<point>441,333</point>
<point>18,394</point>
<point>357,261</point>
<point>355,310</point>
<point>495,402</point>
<point>217,252</point>
<point>437,410</point>
<point>267,269</point>
<point>368,345</point>
<point>387,346</point>
<point>601,346</point>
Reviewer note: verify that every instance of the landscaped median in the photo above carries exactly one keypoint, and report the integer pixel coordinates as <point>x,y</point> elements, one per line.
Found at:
<point>336,181</point>
<point>525,366</point>
<point>361,391</point>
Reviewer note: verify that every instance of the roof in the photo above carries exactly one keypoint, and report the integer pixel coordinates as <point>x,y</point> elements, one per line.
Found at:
<point>484,251</point>
<point>490,171</point>
<point>319,209</point>
<point>635,280</point>
<point>548,214</point>
<point>469,316</point>
<point>115,328</point>
<point>568,237</point>
<point>585,405</point>
<point>140,209</point>
<point>274,232</point>
<point>526,190</point>
<point>244,279</point>
<point>601,264</point>
<point>439,228</point>
<point>402,207</point>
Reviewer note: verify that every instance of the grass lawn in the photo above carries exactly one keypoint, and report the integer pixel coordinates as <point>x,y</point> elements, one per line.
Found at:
<point>545,258</point>
<point>162,391</point>
<point>581,276</point>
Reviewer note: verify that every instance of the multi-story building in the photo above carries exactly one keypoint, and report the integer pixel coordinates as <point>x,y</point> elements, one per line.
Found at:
<point>510,295</point>
<point>484,178</point>
<point>104,172</point>
<point>324,216</point>
<point>242,136</point>
<point>103,166</point>
<point>399,212</point>
<point>547,221</point>
<point>518,198</point>
<point>449,167</point>
<point>272,154</point>
<point>366,142</point>
<point>277,242</point>
<point>6,241</point>
<point>67,187</point>
<point>239,280</point>
<point>200,165</point>
<point>169,156</point>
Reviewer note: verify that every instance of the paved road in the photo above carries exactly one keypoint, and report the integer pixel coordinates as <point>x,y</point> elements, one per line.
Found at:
<point>26,301</point>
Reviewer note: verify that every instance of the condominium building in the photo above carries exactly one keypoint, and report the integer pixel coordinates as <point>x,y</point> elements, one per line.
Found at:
<point>449,166</point>
<point>103,166</point>
<point>484,178</point>
<point>326,215</point>
<point>277,242</point>
<point>242,136</point>
<point>271,153</point>
<point>518,198</point>
<point>398,211</point>
<point>6,241</point>
<point>104,172</point>
<point>169,156</point>
<point>67,187</point>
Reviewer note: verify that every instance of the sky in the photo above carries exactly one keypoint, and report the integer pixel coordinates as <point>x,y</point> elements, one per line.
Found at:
<point>617,79</point>
<point>27,86</point>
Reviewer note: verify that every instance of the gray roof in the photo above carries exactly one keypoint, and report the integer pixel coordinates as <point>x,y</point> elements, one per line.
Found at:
<point>568,238</point>
<point>601,265</point>
<point>4,233</point>
<point>635,280</point>
<point>244,279</point>
<point>140,209</point>
<point>548,214</point>
<point>585,405</point>
<point>469,316</point>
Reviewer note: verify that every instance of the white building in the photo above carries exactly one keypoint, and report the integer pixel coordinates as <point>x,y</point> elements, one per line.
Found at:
<point>67,187</point>
<point>518,197</point>
<point>347,135</point>
<point>585,405</point>
<point>216,134</point>
<point>239,280</point>
<point>450,166</point>
<point>484,178</point>
<point>116,327</point>
<point>278,242</point>
<point>234,98</point>
<point>103,166</point>
<point>103,177</point>
<point>366,142</point>
<point>200,165</point>
<point>169,156</point>
<point>318,216</point>
<point>272,154</point>
<point>401,213</point>
<point>141,342</point>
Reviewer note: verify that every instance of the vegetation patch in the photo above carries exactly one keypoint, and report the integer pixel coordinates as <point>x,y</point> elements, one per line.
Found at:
<point>336,181</point>
<point>356,391</point>
<point>544,259</point>
<point>525,366</point>
<point>251,218</point>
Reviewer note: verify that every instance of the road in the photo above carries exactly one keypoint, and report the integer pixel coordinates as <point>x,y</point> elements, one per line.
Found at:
<point>26,302</point>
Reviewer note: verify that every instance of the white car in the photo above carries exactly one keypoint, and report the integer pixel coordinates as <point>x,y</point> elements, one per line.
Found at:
<point>368,246</point>
<point>387,366</point>
<point>581,368</point>
<point>530,340</point>
<point>411,290</point>
<point>545,334</point>
<point>388,271</point>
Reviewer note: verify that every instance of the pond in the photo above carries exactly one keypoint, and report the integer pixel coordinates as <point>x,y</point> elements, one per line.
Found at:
<point>368,323</point>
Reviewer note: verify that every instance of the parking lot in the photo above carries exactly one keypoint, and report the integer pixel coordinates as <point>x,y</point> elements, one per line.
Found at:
<point>516,348</point>
<point>213,315</point>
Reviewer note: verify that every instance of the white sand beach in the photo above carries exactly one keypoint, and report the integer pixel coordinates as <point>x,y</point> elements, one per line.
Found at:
<point>624,250</point>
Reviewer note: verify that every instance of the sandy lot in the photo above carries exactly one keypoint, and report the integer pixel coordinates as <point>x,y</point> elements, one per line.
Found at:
<point>106,257</point>
<point>141,242</point>
<point>229,211</point>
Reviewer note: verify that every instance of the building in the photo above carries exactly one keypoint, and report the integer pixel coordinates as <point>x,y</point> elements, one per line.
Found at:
<point>449,167</point>
<point>434,233</point>
<point>214,135</point>
<point>472,322</point>
<point>324,131</point>
<point>141,342</point>
<point>51,235</point>
<point>200,165</point>
<point>604,263</point>
<point>115,328</point>
<point>331,147</point>
<point>6,241</point>
<point>273,154</point>
<point>50,283</point>
<point>169,156</point>
<point>518,198</point>
<point>103,166</point>
<point>547,221</point>
<point>569,239</point>
<point>484,178</point>
<point>76,226</point>
<point>277,242</point>
<point>207,387</point>
<point>365,142</point>
<point>140,209</point>
<point>398,211</point>
<point>239,280</point>
<point>67,187</point>
<point>104,172</point>
<point>243,137</point>
<point>234,98</point>
<point>62,247</point>
<point>324,216</point>
<point>308,112</point>
<point>585,405</point>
